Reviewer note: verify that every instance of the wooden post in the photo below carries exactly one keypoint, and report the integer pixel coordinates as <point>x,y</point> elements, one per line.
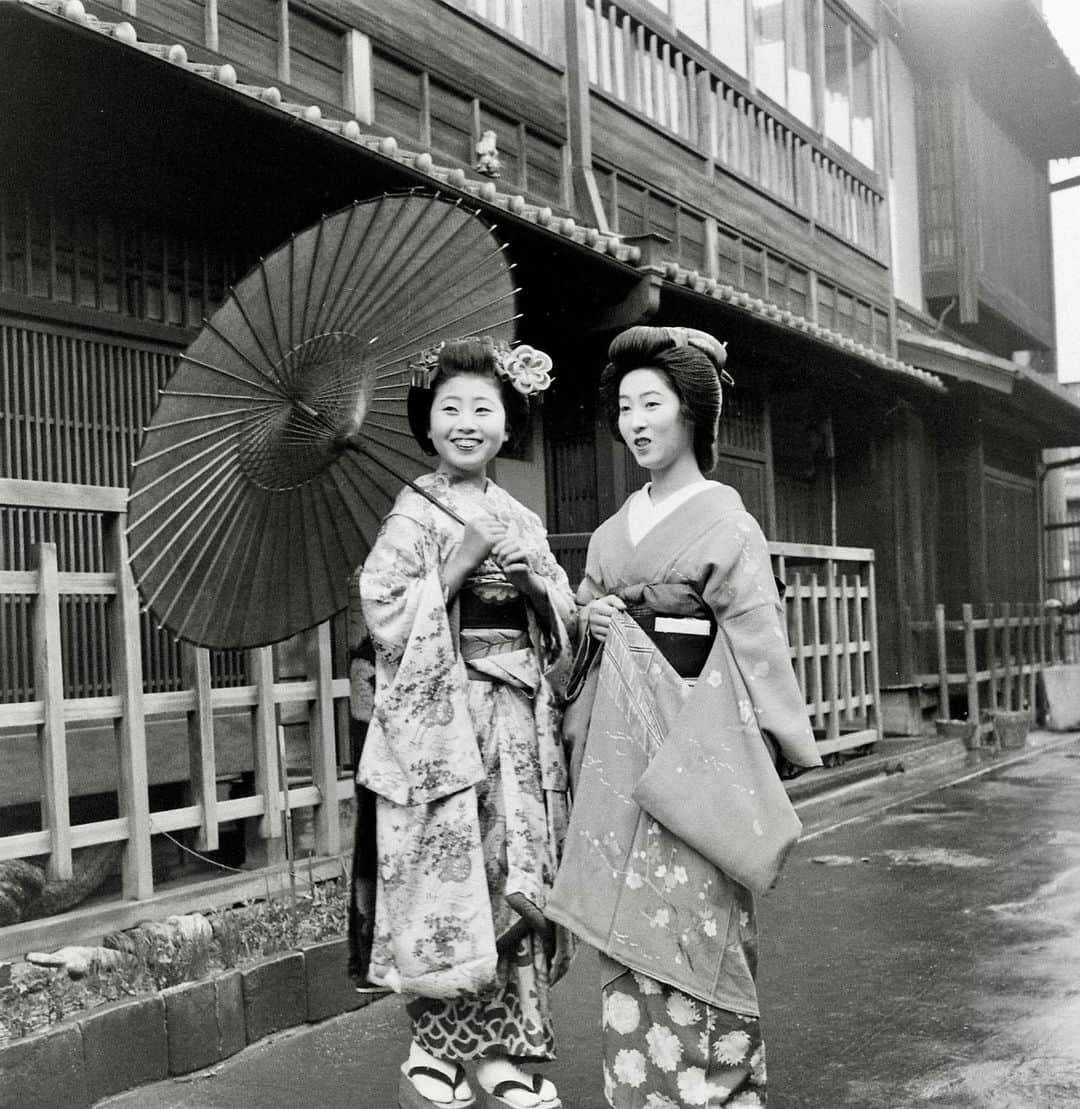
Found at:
<point>1032,658</point>
<point>134,799</point>
<point>195,666</point>
<point>800,635</point>
<point>861,652</point>
<point>210,25</point>
<point>324,743</point>
<point>1006,652</point>
<point>359,88</point>
<point>49,689</point>
<point>942,662</point>
<point>992,654</point>
<point>847,685</point>
<point>284,61</point>
<point>970,664</point>
<point>831,631</point>
<point>267,779</point>
<point>815,643</point>
<point>875,663</point>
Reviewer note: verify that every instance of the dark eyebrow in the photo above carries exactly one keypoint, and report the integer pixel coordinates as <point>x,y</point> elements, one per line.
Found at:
<point>647,393</point>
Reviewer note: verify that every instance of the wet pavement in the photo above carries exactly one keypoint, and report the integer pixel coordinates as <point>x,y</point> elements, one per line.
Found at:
<point>922,949</point>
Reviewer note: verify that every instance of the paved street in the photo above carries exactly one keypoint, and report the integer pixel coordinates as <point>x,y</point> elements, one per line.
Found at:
<point>918,952</point>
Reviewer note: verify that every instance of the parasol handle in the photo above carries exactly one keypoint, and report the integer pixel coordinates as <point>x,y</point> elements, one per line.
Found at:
<point>352,443</point>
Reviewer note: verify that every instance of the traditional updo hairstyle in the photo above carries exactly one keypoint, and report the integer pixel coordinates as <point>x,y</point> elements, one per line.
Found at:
<point>692,362</point>
<point>473,357</point>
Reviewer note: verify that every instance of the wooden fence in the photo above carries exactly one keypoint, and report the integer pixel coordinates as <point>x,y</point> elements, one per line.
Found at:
<point>991,662</point>
<point>831,615</point>
<point>126,738</point>
<point>317,782</point>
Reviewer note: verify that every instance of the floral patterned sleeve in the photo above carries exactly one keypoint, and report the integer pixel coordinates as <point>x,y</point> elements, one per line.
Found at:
<point>390,585</point>
<point>560,595</point>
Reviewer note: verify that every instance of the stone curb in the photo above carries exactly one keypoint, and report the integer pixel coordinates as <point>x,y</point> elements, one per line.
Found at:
<point>180,1030</point>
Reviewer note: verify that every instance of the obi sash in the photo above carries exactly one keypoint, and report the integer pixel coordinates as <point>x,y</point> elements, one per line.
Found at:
<point>685,641</point>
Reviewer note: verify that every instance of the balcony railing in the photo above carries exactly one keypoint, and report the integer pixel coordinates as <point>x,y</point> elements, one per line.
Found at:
<point>643,68</point>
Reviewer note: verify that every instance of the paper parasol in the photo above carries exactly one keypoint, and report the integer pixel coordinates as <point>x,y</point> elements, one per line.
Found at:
<point>282,438</point>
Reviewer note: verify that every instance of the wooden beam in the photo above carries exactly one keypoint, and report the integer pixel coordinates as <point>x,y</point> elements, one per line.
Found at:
<point>60,495</point>
<point>639,305</point>
<point>1066,183</point>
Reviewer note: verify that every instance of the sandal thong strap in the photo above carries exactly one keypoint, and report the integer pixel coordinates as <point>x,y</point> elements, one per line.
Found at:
<point>452,1084</point>
<point>508,1085</point>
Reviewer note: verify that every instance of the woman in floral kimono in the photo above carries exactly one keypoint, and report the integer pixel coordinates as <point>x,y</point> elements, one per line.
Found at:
<point>470,627</point>
<point>679,812</point>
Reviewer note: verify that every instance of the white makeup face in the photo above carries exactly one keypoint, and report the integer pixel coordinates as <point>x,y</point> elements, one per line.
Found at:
<point>467,425</point>
<point>651,422</point>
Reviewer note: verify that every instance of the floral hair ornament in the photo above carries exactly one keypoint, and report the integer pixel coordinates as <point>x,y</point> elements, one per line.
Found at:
<point>525,367</point>
<point>707,344</point>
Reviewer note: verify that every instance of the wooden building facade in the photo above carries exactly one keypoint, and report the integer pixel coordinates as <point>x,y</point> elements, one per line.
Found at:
<point>832,186</point>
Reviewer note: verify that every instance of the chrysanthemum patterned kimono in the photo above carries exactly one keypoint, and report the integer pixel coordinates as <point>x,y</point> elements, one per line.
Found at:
<point>677,790</point>
<point>469,775</point>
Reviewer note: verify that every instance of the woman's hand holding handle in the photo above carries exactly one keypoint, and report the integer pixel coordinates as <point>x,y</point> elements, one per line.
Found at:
<point>599,614</point>
<point>476,544</point>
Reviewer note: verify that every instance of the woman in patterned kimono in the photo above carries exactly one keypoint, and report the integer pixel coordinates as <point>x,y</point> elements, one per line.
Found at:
<point>469,624</point>
<point>679,812</point>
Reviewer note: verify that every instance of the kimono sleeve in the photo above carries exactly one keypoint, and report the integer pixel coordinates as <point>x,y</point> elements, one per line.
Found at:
<point>421,744</point>
<point>752,624</point>
<point>560,624</point>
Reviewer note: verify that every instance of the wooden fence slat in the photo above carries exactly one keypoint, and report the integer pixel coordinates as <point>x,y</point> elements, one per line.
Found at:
<point>800,634</point>
<point>847,684</point>
<point>831,601</point>
<point>49,683</point>
<point>970,663</point>
<point>944,710</point>
<point>195,666</point>
<point>992,654</point>
<point>324,742</point>
<point>815,668</point>
<point>863,648</point>
<point>267,782</point>
<point>1006,653</point>
<point>1032,657</point>
<point>133,796</point>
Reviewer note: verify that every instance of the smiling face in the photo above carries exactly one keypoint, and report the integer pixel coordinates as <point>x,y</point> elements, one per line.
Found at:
<point>468,425</point>
<point>651,421</point>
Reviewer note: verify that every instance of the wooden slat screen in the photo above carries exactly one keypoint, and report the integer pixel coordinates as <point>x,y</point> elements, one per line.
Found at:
<point>67,255</point>
<point>72,406</point>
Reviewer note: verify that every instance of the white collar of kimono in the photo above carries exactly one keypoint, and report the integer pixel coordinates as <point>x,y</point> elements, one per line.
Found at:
<point>644,515</point>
